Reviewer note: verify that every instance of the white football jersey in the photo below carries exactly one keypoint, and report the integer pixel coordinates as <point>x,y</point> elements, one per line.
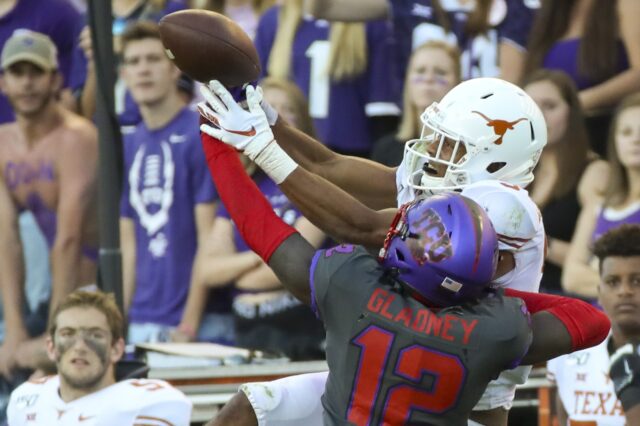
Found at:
<point>129,402</point>
<point>584,387</point>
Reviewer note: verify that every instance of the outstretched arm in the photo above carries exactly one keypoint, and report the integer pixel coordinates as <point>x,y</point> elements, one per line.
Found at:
<point>336,212</point>
<point>278,244</point>
<point>371,183</point>
<point>560,325</point>
<point>325,205</point>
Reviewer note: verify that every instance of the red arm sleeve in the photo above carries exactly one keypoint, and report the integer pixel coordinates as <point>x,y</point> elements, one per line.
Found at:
<point>259,226</point>
<point>587,325</point>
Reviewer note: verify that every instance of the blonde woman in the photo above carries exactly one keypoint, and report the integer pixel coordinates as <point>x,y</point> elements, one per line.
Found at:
<point>344,70</point>
<point>434,69</point>
<point>621,202</point>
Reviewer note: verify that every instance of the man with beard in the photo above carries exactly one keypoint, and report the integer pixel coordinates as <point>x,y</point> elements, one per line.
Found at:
<point>601,385</point>
<point>85,341</point>
<point>48,160</point>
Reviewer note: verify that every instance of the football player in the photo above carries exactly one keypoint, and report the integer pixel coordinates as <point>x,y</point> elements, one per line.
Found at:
<point>416,337</point>
<point>85,341</point>
<point>482,131</point>
<point>588,381</point>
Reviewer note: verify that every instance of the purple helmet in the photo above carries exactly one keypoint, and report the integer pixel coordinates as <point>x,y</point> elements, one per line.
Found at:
<point>444,248</point>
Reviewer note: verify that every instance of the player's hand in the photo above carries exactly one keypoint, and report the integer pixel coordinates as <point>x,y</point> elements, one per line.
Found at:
<point>247,131</point>
<point>624,371</point>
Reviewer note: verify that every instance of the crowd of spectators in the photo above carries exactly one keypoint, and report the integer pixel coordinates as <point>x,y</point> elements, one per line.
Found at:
<point>355,74</point>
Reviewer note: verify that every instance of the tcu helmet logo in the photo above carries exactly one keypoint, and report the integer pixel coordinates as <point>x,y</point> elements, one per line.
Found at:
<point>500,127</point>
<point>433,243</point>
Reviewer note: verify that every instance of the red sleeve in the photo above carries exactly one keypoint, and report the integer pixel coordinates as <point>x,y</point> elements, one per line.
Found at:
<point>252,214</point>
<point>587,325</point>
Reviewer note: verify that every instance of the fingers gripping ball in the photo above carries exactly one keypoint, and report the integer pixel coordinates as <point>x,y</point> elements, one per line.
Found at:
<point>624,371</point>
<point>246,130</point>
<point>209,46</point>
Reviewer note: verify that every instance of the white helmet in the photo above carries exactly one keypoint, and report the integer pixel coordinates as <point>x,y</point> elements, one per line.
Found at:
<point>502,130</point>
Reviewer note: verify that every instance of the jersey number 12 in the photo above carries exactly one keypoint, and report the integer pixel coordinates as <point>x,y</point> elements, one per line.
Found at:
<point>412,364</point>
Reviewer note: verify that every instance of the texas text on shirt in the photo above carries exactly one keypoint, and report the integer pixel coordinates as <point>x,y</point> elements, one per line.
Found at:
<point>584,387</point>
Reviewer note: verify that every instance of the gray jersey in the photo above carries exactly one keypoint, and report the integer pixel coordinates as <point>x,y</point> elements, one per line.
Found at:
<point>394,361</point>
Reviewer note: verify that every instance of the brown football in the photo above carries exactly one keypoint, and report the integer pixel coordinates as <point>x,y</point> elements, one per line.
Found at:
<point>207,46</point>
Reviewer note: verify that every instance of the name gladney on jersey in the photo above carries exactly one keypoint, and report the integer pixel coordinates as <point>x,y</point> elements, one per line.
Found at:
<point>421,320</point>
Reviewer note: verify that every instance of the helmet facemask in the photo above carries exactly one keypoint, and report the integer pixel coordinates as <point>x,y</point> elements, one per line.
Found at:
<point>437,158</point>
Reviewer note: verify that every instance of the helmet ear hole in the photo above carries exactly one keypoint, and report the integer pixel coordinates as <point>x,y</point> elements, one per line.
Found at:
<point>533,132</point>
<point>400,255</point>
<point>494,167</point>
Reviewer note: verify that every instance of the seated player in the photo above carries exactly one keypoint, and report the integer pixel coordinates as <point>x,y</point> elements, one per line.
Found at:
<point>85,341</point>
<point>423,323</point>
<point>589,381</point>
<point>429,166</point>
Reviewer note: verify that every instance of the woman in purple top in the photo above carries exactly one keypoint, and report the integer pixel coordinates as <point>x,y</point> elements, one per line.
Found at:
<point>266,316</point>
<point>621,203</point>
<point>598,44</point>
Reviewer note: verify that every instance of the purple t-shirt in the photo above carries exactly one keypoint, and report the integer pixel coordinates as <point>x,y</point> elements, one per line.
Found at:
<point>280,203</point>
<point>339,110</point>
<point>165,177</point>
<point>563,56</point>
<point>609,219</point>
<point>55,18</point>
<point>415,22</point>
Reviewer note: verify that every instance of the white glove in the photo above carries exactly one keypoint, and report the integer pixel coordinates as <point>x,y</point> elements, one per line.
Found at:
<point>247,131</point>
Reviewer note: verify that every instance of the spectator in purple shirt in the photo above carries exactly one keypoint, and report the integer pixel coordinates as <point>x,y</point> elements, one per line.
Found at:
<point>167,204</point>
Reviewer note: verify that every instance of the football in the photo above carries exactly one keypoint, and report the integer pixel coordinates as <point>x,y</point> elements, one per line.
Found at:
<point>207,46</point>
